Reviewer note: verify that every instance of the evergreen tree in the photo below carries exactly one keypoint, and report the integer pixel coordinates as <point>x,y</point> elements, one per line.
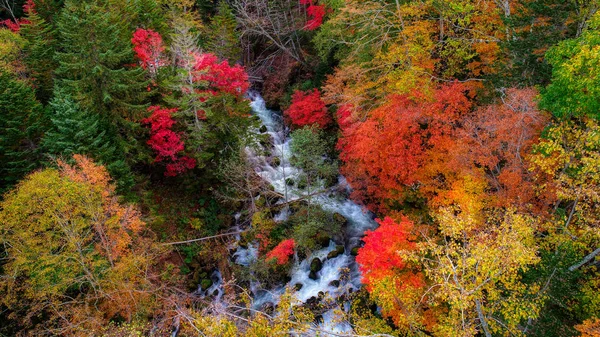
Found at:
<point>77,131</point>
<point>224,40</point>
<point>95,58</point>
<point>39,53</point>
<point>21,122</point>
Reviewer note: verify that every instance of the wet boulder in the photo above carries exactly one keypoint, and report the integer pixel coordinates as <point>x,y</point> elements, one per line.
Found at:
<point>275,161</point>
<point>263,129</point>
<point>339,250</point>
<point>334,283</point>
<point>298,286</point>
<point>316,265</point>
<point>354,251</point>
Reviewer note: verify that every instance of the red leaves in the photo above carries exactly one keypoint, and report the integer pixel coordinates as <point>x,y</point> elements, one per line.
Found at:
<point>385,153</point>
<point>315,13</point>
<point>283,251</point>
<point>148,48</point>
<point>220,75</point>
<point>379,257</point>
<point>166,142</point>
<point>308,108</point>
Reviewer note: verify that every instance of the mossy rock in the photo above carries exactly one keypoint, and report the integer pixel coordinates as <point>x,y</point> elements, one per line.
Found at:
<point>323,239</point>
<point>298,286</point>
<point>289,181</point>
<point>275,162</point>
<point>354,251</point>
<point>263,129</point>
<point>312,275</point>
<point>339,250</point>
<point>338,218</point>
<point>334,283</point>
<point>206,283</point>
<point>316,265</point>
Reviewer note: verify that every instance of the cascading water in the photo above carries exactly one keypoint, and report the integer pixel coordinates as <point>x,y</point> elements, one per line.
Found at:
<point>338,274</point>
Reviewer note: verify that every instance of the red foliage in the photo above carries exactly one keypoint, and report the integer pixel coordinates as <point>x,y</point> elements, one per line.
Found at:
<point>283,251</point>
<point>308,108</point>
<point>379,257</point>
<point>148,48</point>
<point>315,13</point>
<point>166,143</point>
<point>220,75</point>
<point>14,26</point>
<point>385,153</point>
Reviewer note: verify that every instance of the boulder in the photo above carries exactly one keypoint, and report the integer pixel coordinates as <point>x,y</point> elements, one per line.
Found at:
<point>339,250</point>
<point>334,283</point>
<point>298,286</point>
<point>354,251</point>
<point>316,265</point>
<point>263,129</point>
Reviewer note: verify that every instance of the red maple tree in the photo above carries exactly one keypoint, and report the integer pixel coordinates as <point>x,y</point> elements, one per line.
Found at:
<point>316,14</point>
<point>307,108</point>
<point>148,48</point>
<point>282,251</point>
<point>220,76</point>
<point>167,143</point>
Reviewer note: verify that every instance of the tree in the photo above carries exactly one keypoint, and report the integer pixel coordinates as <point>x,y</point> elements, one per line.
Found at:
<point>148,48</point>
<point>21,128</point>
<point>282,251</point>
<point>475,265</point>
<point>573,89</point>
<point>39,53</point>
<point>316,14</point>
<point>77,131</point>
<point>224,39</point>
<point>166,143</point>
<point>94,53</point>
<point>386,275</point>
<point>76,255</point>
<point>389,152</point>
<point>310,154</point>
<point>307,108</point>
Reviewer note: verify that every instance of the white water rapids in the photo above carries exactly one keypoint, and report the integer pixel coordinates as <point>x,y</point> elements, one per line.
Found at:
<point>338,275</point>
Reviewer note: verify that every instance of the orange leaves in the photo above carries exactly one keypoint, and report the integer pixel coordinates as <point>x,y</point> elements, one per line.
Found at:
<point>385,154</point>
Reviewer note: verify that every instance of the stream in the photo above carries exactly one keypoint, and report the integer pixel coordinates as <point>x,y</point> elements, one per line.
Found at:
<point>339,275</point>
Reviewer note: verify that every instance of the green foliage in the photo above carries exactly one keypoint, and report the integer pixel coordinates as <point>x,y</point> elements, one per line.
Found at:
<point>95,61</point>
<point>77,131</point>
<point>21,125</point>
<point>39,54</point>
<point>575,89</point>
<point>310,154</point>
<point>224,40</point>
<point>312,227</point>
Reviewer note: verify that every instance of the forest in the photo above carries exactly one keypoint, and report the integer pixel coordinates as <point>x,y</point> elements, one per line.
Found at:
<point>343,168</point>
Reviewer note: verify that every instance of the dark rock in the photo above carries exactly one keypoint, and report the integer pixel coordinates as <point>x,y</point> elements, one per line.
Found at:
<point>312,301</point>
<point>323,239</point>
<point>334,283</point>
<point>312,275</point>
<point>298,286</point>
<point>316,265</point>
<point>289,181</point>
<point>339,250</point>
<point>263,129</point>
<point>354,251</point>
<point>275,161</point>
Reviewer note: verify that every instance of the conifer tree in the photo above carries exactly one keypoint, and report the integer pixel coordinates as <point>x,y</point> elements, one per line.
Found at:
<point>224,40</point>
<point>39,53</point>
<point>95,61</point>
<point>77,131</point>
<point>21,125</point>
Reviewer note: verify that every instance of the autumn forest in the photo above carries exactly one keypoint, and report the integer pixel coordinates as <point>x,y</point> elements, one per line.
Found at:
<point>265,168</point>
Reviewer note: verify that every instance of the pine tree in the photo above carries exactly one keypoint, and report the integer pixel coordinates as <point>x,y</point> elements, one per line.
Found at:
<point>77,131</point>
<point>95,61</point>
<point>224,40</point>
<point>39,53</point>
<point>21,122</point>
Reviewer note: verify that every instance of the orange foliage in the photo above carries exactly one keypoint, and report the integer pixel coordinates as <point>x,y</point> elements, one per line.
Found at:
<point>383,155</point>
